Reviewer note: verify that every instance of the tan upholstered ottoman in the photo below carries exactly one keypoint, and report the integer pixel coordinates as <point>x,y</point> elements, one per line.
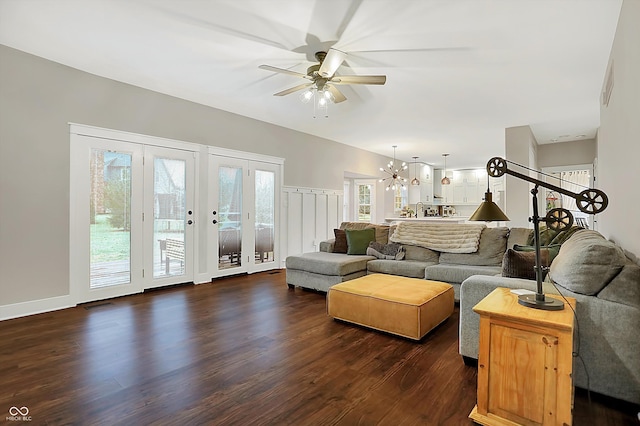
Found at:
<point>409,307</point>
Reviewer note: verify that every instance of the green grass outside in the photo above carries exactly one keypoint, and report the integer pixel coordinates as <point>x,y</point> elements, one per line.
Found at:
<point>111,244</point>
<point>108,244</point>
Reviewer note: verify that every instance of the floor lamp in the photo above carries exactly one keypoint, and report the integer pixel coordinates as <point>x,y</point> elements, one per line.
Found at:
<point>590,201</point>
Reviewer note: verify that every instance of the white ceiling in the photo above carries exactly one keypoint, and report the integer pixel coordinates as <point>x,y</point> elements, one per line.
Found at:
<point>458,71</point>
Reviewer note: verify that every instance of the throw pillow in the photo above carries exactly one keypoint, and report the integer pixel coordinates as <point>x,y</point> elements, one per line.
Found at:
<point>358,240</point>
<point>340,246</point>
<point>520,264</point>
<point>552,250</point>
<point>392,251</point>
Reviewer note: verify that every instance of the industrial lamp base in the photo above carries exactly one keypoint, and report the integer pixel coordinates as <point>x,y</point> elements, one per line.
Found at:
<point>547,303</point>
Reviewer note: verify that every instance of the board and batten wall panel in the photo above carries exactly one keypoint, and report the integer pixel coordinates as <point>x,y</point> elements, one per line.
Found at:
<point>310,216</point>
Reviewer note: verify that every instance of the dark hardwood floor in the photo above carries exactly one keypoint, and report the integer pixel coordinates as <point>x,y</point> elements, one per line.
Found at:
<point>239,351</point>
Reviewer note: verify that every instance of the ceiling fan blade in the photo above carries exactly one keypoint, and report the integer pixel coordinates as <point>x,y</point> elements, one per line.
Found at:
<point>360,79</point>
<point>337,95</point>
<point>293,89</point>
<point>283,71</point>
<point>331,62</point>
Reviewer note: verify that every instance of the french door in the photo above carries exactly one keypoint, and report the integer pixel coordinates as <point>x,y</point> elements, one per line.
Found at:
<point>132,217</point>
<point>243,215</point>
<point>169,216</point>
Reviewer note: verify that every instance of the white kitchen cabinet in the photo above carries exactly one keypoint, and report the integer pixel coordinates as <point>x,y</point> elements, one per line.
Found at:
<point>426,183</point>
<point>468,186</point>
<point>443,194</point>
<point>424,191</point>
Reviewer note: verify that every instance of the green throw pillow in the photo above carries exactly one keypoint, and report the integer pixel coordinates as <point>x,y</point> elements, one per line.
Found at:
<point>358,240</point>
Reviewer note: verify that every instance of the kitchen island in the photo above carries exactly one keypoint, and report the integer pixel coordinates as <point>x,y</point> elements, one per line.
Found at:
<point>432,219</point>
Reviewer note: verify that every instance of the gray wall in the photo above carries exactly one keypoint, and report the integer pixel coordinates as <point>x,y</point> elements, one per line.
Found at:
<point>567,153</point>
<point>520,145</point>
<point>618,168</point>
<point>38,98</point>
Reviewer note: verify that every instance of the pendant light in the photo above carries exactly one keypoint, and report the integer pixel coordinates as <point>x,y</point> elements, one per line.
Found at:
<point>445,180</point>
<point>415,180</point>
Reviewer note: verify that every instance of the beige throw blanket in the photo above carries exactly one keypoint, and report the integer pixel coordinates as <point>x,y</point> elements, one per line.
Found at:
<point>449,238</point>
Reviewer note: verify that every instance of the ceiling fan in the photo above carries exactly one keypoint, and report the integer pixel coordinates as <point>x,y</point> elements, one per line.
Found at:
<point>322,76</point>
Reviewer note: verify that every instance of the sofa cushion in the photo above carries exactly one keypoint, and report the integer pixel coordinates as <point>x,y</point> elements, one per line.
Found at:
<point>328,263</point>
<point>625,287</point>
<point>358,240</point>
<point>518,236</point>
<point>420,253</point>
<point>354,225</point>
<point>455,274</point>
<point>521,264</point>
<point>340,243</point>
<point>586,263</point>
<point>493,244</point>
<point>405,268</point>
<point>382,233</point>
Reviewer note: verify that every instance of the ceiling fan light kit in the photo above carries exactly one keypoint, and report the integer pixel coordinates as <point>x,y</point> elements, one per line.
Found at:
<point>323,79</point>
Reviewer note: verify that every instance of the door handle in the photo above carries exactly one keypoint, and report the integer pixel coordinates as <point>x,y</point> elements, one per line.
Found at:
<point>214,221</point>
<point>189,222</point>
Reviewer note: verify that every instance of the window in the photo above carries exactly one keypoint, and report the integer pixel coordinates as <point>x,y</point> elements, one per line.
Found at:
<point>400,199</point>
<point>572,178</point>
<point>365,200</point>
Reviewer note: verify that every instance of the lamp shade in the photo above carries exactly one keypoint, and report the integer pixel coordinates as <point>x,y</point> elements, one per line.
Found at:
<point>488,211</point>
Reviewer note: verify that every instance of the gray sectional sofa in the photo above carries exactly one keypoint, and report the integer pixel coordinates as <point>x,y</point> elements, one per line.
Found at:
<point>606,285</point>
<point>604,281</point>
<point>321,270</point>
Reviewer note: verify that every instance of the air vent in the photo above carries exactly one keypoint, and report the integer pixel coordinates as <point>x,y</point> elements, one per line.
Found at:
<point>98,305</point>
<point>608,86</point>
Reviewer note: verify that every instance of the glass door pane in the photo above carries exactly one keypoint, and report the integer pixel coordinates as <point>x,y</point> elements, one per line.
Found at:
<point>110,218</point>
<point>229,217</point>
<point>169,216</point>
<point>264,215</point>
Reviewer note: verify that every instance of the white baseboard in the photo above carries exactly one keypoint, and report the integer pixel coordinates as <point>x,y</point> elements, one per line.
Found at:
<point>33,307</point>
<point>202,278</point>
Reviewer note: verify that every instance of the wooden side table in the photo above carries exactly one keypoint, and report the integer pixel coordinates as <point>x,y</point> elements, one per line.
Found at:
<point>525,363</point>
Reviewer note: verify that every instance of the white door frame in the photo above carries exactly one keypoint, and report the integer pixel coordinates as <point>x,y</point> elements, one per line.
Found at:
<point>190,230</point>
<point>81,137</point>
<point>79,219</point>
<point>250,162</point>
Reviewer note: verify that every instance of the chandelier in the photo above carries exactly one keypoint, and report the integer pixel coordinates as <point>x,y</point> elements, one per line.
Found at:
<point>321,97</point>
<point>394,178</point>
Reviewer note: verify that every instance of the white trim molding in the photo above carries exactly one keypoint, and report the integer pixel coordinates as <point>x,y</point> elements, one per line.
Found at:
<point>32,307</point>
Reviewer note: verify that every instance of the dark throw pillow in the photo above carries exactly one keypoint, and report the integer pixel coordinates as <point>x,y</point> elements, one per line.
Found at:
<point>520,264</point>
<point>358,240</point>
<point>552,251</point>
<point>340,245</point>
